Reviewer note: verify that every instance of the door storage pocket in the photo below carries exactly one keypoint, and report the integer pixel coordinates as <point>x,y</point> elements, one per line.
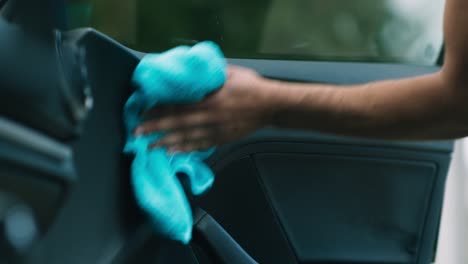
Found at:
<point>36,173</point>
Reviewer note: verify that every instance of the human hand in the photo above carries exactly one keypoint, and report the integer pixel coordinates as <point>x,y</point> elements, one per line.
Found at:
<point>237,109</point>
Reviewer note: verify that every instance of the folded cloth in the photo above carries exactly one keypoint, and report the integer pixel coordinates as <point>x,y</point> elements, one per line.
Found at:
<point>181,75</point>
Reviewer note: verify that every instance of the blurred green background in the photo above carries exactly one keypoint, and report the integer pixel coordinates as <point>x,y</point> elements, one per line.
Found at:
<point>404,31</point>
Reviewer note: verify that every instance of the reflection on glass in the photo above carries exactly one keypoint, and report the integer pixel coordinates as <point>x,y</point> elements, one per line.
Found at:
<point>408,31</point>
<point>391,30</point>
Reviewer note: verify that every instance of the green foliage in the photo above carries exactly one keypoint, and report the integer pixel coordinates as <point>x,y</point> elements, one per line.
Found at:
<point>366,30</point>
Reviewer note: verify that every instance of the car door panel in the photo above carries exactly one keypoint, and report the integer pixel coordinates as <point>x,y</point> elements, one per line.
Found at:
<point>286,196</point>
<point>304,197</point>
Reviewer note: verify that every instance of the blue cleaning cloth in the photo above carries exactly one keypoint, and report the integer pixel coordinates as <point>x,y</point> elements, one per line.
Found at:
<point>181,75</point>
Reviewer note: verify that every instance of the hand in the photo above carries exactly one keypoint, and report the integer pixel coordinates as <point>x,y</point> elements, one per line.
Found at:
<point>237,109</point>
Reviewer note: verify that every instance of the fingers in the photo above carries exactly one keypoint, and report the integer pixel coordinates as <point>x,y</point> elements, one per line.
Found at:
<point>178,109</point>
<point>176,122</point>
<point>184,137</point>
<point>188,140</point>
<point>198,138</point>
<point>160,111</point>
<point>192,146</point>
<point>165,110</point>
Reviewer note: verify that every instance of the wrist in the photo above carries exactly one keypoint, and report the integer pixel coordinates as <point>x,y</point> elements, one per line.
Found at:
<point>274,100</point>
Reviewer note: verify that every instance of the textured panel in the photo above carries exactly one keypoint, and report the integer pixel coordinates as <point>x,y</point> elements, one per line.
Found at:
<point>238,203</point>
<point>345,209</point>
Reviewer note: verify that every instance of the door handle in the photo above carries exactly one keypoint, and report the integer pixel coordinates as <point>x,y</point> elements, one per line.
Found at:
<point>219,245</point>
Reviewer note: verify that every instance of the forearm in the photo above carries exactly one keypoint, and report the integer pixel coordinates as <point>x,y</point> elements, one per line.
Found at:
<point>427,107</point>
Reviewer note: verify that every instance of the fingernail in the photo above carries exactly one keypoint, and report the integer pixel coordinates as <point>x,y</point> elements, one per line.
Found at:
<point>173,150</point>
<point>151,147</point>
<point>154,145</point>
<point>138,131</point>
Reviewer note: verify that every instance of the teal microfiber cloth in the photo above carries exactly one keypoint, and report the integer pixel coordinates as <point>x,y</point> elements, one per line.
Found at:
<point>180,75</point>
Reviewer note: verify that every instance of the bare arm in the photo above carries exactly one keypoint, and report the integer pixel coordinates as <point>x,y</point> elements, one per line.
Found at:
<point>429,107</point>
<point>434,106</point>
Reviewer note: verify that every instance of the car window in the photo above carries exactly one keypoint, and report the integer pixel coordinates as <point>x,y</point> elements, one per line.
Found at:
<point>406,31</point>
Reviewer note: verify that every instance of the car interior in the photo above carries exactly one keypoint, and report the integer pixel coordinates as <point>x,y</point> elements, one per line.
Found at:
<point>280,196</point>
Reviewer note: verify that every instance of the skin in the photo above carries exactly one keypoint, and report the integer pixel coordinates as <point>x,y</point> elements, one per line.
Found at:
<point>433,106</point>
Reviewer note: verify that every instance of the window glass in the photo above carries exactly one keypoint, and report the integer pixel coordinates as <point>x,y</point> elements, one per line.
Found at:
<point>406,31</point>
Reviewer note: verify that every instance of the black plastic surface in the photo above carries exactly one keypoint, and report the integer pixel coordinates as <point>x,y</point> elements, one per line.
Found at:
<point>214,239</point>
<point>333,72</point>
<point>34,181</point>
<point>238,203</point>
<point>39,180</point>
<point>394,220</point>
<point>99,214</point>
<point>143,246</point>
<point>337,203</point>
<point>40,70</point>
<point>349,209</point>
